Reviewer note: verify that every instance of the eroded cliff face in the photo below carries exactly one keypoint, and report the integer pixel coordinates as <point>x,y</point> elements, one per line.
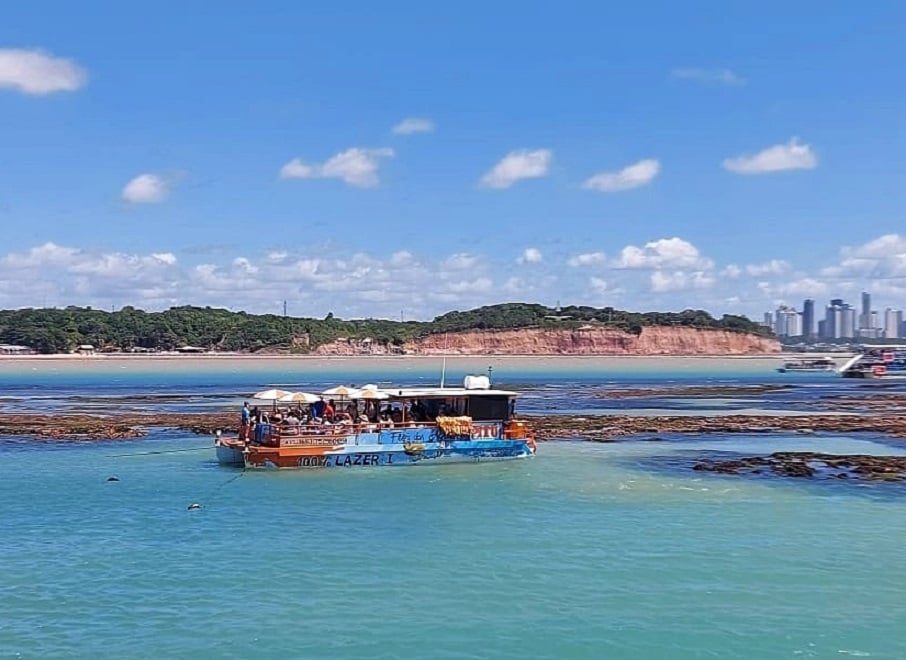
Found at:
<point>654,340</point>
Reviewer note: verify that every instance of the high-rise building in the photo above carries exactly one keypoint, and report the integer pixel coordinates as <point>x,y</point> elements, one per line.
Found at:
<point>808,318</point>
<point>893,321</point>
<point>787,322</point>
<point>848,321</point>
<point>865,316</point>
<point>840,320</point>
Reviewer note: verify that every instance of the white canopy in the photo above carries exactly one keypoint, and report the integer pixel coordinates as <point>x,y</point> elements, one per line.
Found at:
<point>369,394</point>
<point>270,395</point>
<point>299,397</point>
<point>341,391</point>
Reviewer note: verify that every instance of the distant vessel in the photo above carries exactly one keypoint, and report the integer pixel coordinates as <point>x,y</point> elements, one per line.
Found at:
<point>814,364</point>
<point>468,424</point>
<point>885,361</point>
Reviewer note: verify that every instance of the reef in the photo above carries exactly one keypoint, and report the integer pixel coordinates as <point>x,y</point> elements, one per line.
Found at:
<point>608,428</point>
<point>811,465</point>
<point>116,426</point>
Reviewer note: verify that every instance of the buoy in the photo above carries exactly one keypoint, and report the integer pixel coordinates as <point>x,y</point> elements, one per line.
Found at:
<point>113,478</point>
<point>193,506</point>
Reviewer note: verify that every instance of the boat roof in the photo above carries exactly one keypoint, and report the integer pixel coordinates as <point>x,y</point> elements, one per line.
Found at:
<point>882,346</point>
<point>451,392</point>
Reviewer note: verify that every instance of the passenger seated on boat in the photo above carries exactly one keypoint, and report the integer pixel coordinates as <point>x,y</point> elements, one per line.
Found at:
<point>417,411</point>
<point>397,417</point>
<point>343,419</point>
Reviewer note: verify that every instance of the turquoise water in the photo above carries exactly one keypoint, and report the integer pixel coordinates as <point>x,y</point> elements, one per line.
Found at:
<point>586,551</point>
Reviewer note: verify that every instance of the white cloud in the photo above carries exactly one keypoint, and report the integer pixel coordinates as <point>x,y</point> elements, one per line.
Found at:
<point>772,267</point>
<point>356,166</point>
<point>167,258</point>
<point>461,261</point>
<point>146,189</point>
<point>780,157</point>
<point>679,280</point>
<point>412,125</point>
<point>882,257</point>
<point>732,271</point>
<point>587,259</point>
<point>518,165</point>
<point>401,258</point>
<point>598,284</point>
<point>36,72</point>
<point>666,274</point>
<point>803,287</point>
<point>530,256</point>
<point>632,176</point>
<point>709,76</point>
<point>663,253</point>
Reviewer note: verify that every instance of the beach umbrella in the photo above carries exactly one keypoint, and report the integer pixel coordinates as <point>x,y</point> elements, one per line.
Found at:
<point>341,392</point>
<point>299,397</point>
<point>369,395</point>
<point>270,395</point>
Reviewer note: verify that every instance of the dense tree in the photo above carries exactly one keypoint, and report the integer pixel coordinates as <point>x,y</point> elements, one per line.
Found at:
<point>62,330</point>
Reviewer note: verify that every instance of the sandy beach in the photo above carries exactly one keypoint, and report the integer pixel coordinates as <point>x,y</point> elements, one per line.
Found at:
<point>454,364</point>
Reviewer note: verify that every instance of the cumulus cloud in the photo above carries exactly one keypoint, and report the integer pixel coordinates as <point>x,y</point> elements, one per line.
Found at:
<point>772,267</point>
<point>37,73</point>
<point>665,274</point>
<point>708,76</point>
<point>663,253</point>
<point>662,281</point>
<point>598,285</point>
<point>518,165</point>
<point>356,167</point>
<point>790,156</point>
<point>412,125</point>
<point>146,189</point>
<point>461,261</point>
<point>882,257</point>
<point>587,259</point>
<point>530,256</point>
<point>632,176</point>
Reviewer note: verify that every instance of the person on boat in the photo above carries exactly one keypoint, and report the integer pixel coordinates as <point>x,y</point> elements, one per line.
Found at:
<point>317,408</point>
<point>329,410</point>
<point>245,421</point>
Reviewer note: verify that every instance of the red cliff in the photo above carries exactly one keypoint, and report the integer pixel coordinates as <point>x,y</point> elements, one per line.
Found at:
<point>654,340</point>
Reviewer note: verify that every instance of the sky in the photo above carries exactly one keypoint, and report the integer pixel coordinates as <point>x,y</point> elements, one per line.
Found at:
<point>400,159</point>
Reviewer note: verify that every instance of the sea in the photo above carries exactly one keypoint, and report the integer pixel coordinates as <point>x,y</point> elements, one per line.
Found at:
<point>587,550</point>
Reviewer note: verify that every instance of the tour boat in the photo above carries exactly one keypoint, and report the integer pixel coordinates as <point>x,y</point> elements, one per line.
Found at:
<point>811,364</point>
<point>473,423</point>
<point>884,361</point>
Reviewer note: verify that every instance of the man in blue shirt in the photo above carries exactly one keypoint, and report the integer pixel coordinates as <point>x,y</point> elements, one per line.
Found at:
<point>246,420</point>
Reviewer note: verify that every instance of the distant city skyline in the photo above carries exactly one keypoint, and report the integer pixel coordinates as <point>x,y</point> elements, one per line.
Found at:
<point>840,321</point>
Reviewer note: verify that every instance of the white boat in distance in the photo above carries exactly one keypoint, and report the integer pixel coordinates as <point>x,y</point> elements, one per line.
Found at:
<point>808,364</point>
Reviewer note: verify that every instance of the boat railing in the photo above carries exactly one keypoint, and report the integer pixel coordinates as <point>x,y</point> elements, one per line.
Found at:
<point>314,434</point>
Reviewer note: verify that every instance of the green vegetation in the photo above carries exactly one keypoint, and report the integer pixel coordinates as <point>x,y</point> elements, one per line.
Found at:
<point>63,330</point>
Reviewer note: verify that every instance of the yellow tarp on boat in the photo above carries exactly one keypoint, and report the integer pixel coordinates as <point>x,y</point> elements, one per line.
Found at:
<point>455,425</point>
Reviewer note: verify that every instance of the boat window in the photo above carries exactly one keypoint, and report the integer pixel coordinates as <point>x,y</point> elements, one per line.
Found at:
<point>489,408</point>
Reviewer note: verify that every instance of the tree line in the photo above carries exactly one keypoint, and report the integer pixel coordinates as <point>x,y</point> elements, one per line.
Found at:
<point>215,329</point>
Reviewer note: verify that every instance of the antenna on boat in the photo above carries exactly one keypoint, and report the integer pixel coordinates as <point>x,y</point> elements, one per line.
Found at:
<point>443,368</point>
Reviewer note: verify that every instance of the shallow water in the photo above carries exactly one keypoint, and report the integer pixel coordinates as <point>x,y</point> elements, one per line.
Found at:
<point>586,551</point>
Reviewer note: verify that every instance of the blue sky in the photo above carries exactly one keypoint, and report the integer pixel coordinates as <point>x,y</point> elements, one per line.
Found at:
<point>649,156</point>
